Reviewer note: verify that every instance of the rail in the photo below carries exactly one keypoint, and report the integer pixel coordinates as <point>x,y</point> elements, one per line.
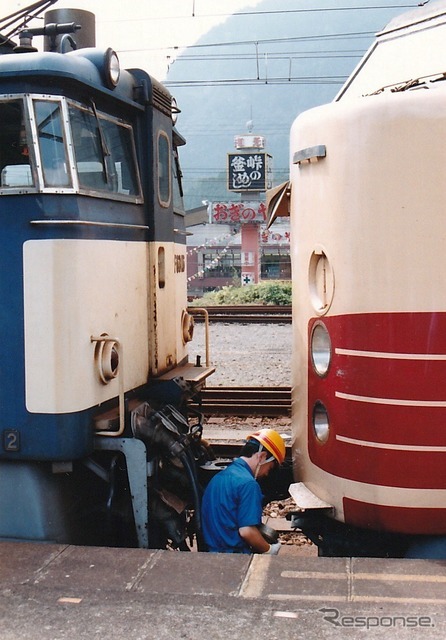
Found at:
<point>245,401</point>
<point>248,313</point>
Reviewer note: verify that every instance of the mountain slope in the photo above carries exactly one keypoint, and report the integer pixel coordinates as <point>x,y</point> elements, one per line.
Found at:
<point>283,63</point>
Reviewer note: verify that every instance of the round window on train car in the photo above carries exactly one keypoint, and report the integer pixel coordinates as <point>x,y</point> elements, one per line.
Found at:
<point>321,424</point>
<point>320,349</point>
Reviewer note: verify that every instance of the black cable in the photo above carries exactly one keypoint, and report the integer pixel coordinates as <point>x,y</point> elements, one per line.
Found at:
<point>20,17</point>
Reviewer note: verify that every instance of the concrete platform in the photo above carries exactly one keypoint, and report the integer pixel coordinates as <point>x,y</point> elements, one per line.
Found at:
<point>53,592</point>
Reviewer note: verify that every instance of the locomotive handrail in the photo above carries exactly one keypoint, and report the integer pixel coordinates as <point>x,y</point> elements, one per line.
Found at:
<point>92,223</point>
<point>205,314</point>
<point>120,373</point>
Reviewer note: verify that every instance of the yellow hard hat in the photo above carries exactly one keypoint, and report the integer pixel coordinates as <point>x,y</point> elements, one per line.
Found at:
<point>270,440</point>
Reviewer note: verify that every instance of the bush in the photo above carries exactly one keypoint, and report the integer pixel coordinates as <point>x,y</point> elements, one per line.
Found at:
<point>263,293</point>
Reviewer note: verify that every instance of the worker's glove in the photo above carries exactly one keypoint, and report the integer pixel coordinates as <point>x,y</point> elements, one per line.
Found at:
<point>273,549</point>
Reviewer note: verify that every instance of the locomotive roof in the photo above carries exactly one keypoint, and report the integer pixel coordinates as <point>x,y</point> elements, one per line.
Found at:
<point>80,66</point>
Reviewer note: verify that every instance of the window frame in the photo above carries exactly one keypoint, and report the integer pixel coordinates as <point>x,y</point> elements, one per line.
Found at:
<point>162,134</point>
<point>35,155</point>
<point>31,145</point>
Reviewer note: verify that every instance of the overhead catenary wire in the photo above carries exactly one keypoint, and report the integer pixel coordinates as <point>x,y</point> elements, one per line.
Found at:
<point>271,80</point>
<point>278,55</point>
<point>310,10</point>
<point>297,48</point>
<point>256,81</point>
<point>306,38</point>
<point>251,13</point>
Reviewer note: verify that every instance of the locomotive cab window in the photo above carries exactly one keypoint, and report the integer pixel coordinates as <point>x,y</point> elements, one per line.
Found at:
<point>177,176</point>
<point>164,171</point>
<point>51,138</point>
<point>51,144</point>
<point>177,187</point>
<point>104,153</point>
<point>15,167</point>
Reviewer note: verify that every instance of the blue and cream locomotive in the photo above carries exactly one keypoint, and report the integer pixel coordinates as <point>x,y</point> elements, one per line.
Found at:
<point>97,445</point>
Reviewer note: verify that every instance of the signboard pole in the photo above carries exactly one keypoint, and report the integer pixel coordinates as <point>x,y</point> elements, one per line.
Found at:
<point>250,255</point>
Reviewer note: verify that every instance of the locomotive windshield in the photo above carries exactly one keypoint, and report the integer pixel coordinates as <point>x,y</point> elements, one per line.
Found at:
<point>51,142</point>
<point>65,146</point>
<point>15,167</point>
<point>104,152</point>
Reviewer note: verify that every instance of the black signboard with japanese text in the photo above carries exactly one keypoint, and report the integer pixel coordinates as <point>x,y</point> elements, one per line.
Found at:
<point>248,171</point>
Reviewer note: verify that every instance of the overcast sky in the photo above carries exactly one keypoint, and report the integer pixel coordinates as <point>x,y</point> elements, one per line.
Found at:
<point>147,33</point>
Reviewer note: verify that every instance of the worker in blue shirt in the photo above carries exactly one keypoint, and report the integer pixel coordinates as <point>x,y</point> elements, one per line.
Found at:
<point>232,501</point>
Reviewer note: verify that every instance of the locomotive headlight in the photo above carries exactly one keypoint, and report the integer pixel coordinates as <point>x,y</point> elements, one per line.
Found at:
<point>175,111</point>
<point>106,63</point>
<point>112,68</point>
<point>320,348</point>
<point>321,424</point>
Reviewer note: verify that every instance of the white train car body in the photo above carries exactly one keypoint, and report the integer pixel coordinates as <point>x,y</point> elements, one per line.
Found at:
<point>369,263</point>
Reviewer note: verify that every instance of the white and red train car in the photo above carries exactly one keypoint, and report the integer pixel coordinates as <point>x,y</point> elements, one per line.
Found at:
<point>368,208</point>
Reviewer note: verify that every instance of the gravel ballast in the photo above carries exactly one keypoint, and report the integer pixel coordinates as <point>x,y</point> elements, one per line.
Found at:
<point>246,354</point>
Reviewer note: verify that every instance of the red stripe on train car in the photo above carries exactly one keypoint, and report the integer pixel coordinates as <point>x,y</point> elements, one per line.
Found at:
<point>396,519</point>
<point>385,399</point>
<point>415,332</point>
<point>386,377</point>
<point>388,424</point>
<point>381,467</point>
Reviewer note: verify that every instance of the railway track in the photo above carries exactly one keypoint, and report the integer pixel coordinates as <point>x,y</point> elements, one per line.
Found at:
<point>246,313</point>
<point>246,401</point>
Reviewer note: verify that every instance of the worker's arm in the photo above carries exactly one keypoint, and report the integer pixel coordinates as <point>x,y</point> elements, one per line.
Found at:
<point>253,538</point>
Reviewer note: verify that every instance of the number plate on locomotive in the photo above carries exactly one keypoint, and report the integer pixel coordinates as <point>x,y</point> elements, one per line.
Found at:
<point>11,440</point>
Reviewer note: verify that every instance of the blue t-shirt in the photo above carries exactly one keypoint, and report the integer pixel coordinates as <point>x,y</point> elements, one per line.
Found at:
<point>232,499</point>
